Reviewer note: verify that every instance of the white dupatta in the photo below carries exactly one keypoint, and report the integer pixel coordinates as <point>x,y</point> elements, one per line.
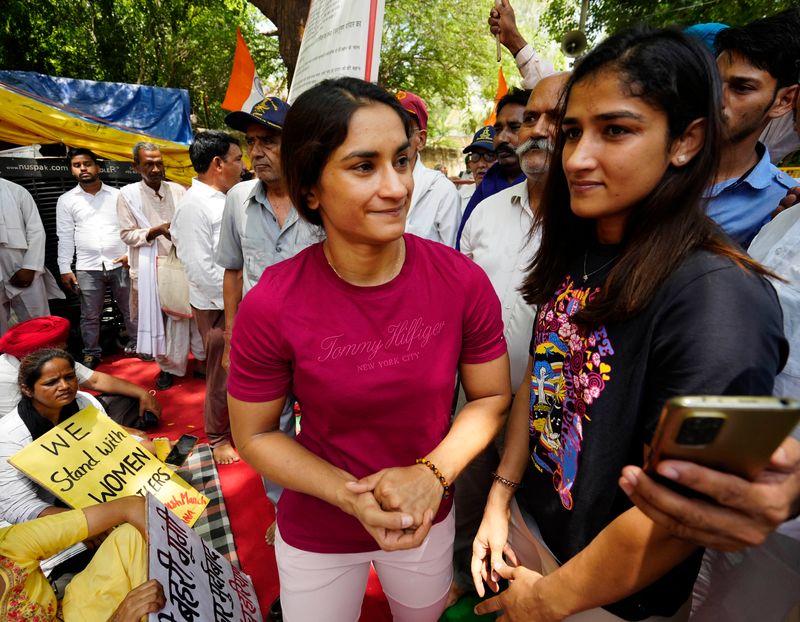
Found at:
<point>151,336</point>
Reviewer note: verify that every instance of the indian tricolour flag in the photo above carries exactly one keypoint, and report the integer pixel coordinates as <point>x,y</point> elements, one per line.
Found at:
<point>244,87</point>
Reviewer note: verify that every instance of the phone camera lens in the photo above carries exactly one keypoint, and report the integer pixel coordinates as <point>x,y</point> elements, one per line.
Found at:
<point>699,430</point>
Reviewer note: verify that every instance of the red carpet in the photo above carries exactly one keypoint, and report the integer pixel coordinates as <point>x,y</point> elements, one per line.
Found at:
<point>249,511</point>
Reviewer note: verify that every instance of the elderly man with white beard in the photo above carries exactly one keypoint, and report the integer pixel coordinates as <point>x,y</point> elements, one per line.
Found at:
<point>500,236</point>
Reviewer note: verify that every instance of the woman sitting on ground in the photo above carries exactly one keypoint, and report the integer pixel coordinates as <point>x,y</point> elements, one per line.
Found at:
<point>113,586</point>
<point>50,395</point>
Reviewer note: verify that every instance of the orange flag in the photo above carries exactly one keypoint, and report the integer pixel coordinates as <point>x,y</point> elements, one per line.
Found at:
<point>244,87</point>
<point>502,89</point>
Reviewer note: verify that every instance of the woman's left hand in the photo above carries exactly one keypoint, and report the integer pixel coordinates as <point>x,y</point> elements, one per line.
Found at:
<point>413,490</point>
<point>520,602</point>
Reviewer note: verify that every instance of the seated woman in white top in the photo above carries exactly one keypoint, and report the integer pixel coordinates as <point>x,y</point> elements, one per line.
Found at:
<point>50,395</point>
<point>126,403</point>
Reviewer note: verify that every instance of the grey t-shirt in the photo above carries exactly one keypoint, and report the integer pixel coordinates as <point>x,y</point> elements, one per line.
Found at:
<point>250,237</point>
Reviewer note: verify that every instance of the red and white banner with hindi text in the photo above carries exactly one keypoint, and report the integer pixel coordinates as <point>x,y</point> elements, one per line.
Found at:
<point>341,38</point>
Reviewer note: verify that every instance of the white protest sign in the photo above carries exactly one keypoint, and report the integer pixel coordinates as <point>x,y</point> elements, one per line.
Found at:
<point>200,585</point>
<point>341,38</point>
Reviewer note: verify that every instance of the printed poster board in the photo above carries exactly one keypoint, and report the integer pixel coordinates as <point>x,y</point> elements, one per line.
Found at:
<point>90,459</point>
<point>341,38</point>
<point>200,585</point>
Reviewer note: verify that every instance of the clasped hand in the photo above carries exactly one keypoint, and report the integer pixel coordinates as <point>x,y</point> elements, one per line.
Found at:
<point>397,505</point>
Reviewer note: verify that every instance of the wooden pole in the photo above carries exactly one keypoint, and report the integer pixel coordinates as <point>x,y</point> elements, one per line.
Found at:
<point>498,4</point>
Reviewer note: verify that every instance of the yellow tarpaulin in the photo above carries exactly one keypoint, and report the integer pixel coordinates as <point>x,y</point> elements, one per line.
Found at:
<point>25,121</point>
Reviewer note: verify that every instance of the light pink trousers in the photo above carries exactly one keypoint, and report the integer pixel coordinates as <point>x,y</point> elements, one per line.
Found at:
<point>328,587</point>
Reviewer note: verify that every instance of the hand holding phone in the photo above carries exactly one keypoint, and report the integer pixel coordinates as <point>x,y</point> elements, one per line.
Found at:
<point>733,513</point>
<point>727,433</point>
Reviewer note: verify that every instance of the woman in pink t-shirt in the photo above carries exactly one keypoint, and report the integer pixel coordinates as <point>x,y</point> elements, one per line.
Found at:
<point>367,330</point>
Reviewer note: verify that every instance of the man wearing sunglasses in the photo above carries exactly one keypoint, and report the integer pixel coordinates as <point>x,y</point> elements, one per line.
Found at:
<point>480,156</point>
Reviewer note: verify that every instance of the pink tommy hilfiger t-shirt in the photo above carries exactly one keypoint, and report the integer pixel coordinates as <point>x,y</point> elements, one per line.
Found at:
<point>373,368</point>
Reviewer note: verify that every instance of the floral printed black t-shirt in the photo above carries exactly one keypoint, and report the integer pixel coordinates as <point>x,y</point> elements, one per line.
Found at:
<point>597,393</point>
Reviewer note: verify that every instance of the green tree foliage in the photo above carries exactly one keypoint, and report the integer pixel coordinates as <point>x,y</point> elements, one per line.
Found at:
<point>608,16</point>
<point>169,43</point>
<point>440,49</point>
<point>443,51</point>
<point>435,48</point>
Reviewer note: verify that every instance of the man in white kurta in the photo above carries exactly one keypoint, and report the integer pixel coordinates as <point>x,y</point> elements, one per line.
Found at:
<point>501,237</point>
<point>145,210</point>
<point>25,284</point>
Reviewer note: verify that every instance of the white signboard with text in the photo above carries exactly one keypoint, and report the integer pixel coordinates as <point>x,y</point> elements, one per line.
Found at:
<point>200,585</point>
<point>341,38</point>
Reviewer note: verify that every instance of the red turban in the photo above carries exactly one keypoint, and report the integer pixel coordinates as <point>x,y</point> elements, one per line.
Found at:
<point>41,332</point>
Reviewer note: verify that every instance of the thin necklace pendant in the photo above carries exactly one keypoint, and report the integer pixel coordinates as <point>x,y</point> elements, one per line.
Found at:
<point>586,274</point>
<point>398,265</point>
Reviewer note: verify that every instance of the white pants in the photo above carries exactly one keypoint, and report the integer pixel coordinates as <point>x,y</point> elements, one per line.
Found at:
<point>31,302</point>
<point>181,335</point>
<point>329,587</point>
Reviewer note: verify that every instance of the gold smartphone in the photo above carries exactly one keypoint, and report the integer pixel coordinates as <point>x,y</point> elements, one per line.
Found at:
<point>727,433</point>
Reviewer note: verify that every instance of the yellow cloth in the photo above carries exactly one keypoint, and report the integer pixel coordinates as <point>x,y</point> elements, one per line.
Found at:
<point>118,566</point>
<point>25,121</point>
<point>28,595</point>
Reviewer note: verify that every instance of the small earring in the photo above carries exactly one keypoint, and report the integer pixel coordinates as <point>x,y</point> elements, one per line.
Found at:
<point>681,159</point>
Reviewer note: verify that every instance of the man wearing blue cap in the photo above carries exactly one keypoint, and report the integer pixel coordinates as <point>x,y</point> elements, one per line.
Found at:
<point>260,226</point>
<point>480,156</point>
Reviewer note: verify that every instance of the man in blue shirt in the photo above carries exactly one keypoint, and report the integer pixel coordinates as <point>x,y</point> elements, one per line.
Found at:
<point>759,71</point>
<point>506,171</point>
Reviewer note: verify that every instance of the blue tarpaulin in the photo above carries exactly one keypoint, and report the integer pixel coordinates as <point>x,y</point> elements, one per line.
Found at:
<point>158,112</point>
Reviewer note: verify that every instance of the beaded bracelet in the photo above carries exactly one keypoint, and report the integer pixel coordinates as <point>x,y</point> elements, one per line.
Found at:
<point>506,482</point>
<point>438,474</point>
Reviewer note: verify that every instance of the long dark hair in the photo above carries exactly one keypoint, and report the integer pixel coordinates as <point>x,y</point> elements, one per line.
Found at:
<point>30,370</point>
<point>316,124</point>
<point>675,74</point>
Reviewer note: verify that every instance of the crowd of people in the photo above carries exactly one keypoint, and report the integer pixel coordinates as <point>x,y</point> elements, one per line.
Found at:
<point>480,369</point>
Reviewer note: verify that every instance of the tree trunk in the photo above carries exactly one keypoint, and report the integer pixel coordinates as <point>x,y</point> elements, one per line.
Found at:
<point>289,16</point>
